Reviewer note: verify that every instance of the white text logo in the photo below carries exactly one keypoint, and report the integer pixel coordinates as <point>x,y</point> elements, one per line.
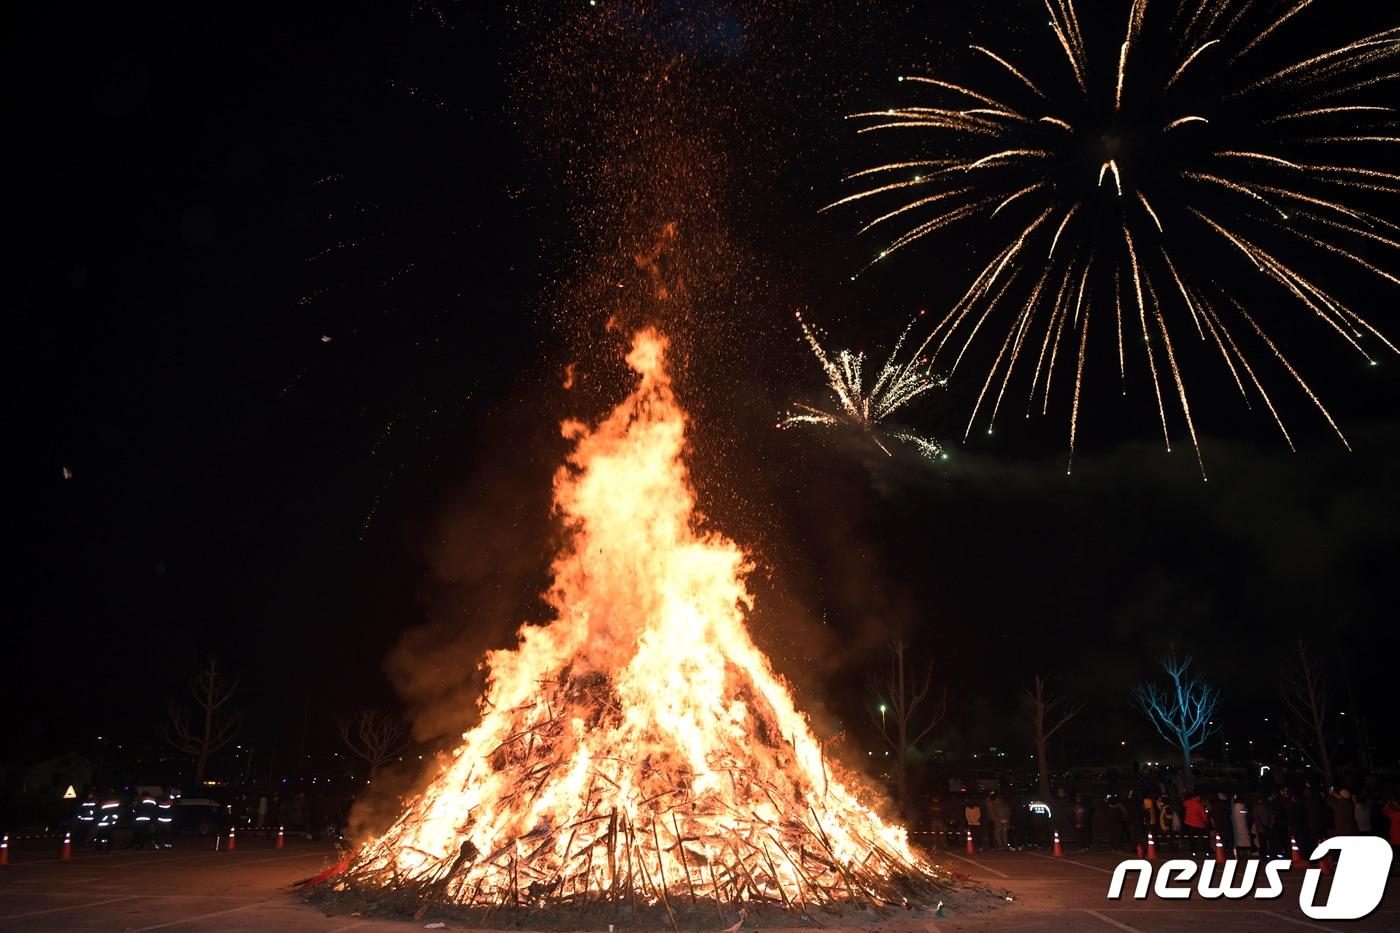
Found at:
<point>1358,882</point>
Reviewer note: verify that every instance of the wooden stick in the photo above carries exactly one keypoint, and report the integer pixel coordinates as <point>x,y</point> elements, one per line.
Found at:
<point>612,855</point>
<point>587,871</point>
<point>664,902</point>
<point>777,882</point>
<point>714,881</point>
<point>660,861</point>
<point>747,874</point>
<point>800,870</point>
<point>836,862</point>
<point>631,884</point>
<point>685,863</point>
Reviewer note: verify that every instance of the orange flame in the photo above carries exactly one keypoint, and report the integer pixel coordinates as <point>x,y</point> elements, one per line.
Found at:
<point>640,743</point>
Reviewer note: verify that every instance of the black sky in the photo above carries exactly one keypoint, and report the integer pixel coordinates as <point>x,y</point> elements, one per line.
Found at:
<point>203,195</point>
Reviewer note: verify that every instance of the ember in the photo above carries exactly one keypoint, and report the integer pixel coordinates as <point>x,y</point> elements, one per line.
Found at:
<point>639,751</point>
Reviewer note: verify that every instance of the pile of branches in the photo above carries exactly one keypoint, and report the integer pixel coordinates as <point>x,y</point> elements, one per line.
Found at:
<point>680,853</point>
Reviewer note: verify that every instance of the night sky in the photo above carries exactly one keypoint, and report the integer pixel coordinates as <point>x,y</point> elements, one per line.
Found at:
<point>295,294</point>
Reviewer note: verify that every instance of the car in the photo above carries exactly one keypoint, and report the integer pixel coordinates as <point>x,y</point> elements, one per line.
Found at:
<point>200,816</point>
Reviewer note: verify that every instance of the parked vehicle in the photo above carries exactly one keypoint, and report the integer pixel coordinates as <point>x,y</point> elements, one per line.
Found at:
<point>201,816</point>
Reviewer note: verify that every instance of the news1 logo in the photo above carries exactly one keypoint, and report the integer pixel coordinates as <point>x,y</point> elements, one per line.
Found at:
<point>1358,882</point>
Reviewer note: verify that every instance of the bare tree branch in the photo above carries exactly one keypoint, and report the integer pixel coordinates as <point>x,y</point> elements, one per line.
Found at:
<point>1304,693</point>
<point>375,737</point>
<point>1183,712</point>
<point>909,714</point>
<point>211,690</point>
<point>1045,707</point>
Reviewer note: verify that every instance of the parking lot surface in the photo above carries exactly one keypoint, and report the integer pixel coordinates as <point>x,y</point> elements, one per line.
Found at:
<point>194,887</point>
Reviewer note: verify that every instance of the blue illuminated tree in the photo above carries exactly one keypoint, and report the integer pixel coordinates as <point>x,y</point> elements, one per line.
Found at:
<point>1184,709</point>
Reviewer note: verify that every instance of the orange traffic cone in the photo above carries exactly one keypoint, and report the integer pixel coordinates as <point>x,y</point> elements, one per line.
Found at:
<point>232,839</point>
<point>1151,848</point>
<point>1139,850</point>
<point>1057,851</point>
<point>1326,864</point>
<point>1219,848</point>
<point>67,852</point>
<point>1297,860</point>
<point>971,849</point>
<point>280,830</point>
<point>5,849</point>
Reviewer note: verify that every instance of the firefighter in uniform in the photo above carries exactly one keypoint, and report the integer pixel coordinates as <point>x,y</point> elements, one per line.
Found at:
<point>108,811</point>
<point>86,819</point>
<point>165,819</point>
<point>143,811</point>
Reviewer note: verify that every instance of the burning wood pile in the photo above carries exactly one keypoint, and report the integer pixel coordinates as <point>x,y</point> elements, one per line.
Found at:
<point>637,754</point>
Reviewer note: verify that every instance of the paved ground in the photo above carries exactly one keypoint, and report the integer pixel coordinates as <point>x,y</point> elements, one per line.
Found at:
<point>194,888</point>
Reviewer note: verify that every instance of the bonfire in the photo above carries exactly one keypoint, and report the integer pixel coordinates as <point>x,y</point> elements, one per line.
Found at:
<point>638,753</point>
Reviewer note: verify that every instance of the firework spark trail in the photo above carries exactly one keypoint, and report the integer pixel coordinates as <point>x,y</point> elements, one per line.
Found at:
<point>1182,121</point>
<point>1146,337</point>
<point>1054,349</point>
<point>1189,59</point>
<point>1009,67</point>
<point>898,383</point>
<point>1067,35</point>
<point>1290,280</point>
<point>913,205</point>
<point>1225,354</point>
<point>1039,361</point>
<point>982,284</point>
<point>1247,122</point>
<point>1078,384</point>
<point>1185,294</point>
<point>1269,30</point>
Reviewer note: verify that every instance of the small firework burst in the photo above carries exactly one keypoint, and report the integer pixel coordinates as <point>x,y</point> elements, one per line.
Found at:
<point>898,383</point>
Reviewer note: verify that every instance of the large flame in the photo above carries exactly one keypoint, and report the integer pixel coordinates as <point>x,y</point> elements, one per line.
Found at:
<point>640,746</point>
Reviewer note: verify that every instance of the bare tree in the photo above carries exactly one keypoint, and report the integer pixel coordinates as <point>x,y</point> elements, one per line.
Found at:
<point>375,737</point>
<point>1304,692</point>
<point>1044,709</point>
<point>903,717</point>
<point>1184,710</point>
<point>214,727</point>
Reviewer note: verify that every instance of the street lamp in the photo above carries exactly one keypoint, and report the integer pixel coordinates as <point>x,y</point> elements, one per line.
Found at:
<point>882,717</point>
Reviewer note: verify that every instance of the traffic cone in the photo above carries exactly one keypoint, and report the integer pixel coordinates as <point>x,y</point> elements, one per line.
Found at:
<point>1297,860</point>
<point>1057,851</point>
<point>971,849</point>
<point>67,852</point>
<point>280,830</point>
<point>1219,848</point>
<point>232,839</point>
<point>5,849</point>
<point>1326,864</point>
<point>1139,850</point>
<point>1151,848</point>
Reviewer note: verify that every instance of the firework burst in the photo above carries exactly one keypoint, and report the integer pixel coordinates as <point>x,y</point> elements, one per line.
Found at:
<point>1150,182</point>
<point>897,384</point>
